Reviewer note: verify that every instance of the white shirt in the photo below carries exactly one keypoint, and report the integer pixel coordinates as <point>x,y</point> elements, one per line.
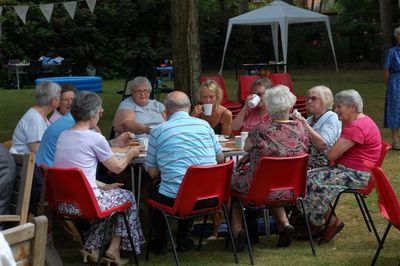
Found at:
<point>29,129</point>
<point>6,256</point>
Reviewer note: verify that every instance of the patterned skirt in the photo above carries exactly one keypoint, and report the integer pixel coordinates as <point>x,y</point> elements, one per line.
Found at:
<point>108,199</point>
<point>324,184</point>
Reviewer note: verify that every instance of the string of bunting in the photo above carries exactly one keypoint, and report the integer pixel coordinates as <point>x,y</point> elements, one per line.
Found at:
<point>47,9</point>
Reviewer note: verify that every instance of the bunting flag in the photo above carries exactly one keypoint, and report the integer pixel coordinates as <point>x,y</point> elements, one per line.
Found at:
<point>91,4</point>
<point>21,12</point>
<point>47,10</point>
<point>70,7</point>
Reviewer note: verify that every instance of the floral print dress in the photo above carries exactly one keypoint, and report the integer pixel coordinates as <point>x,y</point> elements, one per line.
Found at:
<point>274,138</point>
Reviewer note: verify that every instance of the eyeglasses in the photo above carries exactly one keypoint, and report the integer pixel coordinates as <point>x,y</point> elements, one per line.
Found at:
<point>142,91</point>
<point>313,98</point>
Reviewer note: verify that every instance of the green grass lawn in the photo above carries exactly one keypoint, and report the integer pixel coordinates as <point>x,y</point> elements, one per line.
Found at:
<point>353,246</point>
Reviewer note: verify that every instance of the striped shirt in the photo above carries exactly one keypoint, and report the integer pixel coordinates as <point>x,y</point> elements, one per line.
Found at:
<point>175,145</point>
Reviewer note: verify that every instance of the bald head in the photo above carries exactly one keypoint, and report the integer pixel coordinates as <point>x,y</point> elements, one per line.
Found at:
<point>177,101</point>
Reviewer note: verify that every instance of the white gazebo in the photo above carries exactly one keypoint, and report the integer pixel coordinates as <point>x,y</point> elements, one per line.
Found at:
<point>278,13</point>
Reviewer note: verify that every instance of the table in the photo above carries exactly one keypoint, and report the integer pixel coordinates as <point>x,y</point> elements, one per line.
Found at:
<point>228,148</point>
<point>259,66</point>
<point>18,68</point>
<point>169,70</point>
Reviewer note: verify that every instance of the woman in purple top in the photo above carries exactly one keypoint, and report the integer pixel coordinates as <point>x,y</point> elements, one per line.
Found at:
<point>279,137</point>
<point>80,147</point>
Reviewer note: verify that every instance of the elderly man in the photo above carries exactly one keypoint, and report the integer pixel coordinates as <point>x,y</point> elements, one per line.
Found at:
<point>175,145</point>
<point>29,130</point>
<point>138,113</point>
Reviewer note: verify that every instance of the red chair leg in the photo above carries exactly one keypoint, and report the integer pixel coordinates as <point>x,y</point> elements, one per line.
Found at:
<point>308,225</point>
<point>103,244</point>
<point>202,231</point>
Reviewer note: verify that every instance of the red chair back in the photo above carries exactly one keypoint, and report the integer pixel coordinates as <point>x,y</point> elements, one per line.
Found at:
<point>388,201</point>
<point>221,82</point>
<point>282,79</point>
<point>244,87</point>
<point>276,174</point>
<point>70,186</point>
<point>385,148</point>
<point>201,183</point>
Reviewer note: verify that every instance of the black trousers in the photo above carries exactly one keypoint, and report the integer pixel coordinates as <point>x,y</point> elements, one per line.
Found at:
<point>158,221</point>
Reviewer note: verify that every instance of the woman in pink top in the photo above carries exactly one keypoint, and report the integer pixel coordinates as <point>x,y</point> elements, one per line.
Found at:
<point>248,118</point>
<point>360,140</point>
<point>67,95</point>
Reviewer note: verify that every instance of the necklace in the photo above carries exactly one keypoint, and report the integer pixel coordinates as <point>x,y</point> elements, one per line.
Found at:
<point>315,119</point>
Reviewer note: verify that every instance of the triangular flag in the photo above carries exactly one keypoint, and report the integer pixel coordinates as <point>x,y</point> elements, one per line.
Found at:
<point>70,7</point>
<point>21,12</point>
<point>91,4</point>
<point>47,10</point>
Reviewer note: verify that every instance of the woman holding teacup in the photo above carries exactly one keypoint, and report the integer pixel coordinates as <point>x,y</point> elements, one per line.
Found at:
<point>210,108</point>
<point>254,110</point>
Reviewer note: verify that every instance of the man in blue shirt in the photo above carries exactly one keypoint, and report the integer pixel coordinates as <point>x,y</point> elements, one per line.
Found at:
<point>175,145</point>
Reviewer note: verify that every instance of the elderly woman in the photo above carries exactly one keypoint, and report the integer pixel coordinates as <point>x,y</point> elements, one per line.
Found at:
<point>359,141</point>
<point>392,78</point>
<point>84,148</point>
<point>279,137</point>
<point>67,94</point>
<point>248,118</point>
<point>221,118</point>
<point>323,125</point>
<point>29,130</point>
<point>138,113</point>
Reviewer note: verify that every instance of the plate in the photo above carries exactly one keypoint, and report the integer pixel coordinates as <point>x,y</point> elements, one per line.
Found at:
<point>222,139</point>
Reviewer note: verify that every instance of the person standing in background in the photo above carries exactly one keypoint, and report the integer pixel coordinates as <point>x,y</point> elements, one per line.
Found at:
<point>392,78</point>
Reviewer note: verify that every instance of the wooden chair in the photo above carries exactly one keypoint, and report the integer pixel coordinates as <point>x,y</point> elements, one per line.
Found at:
<point>21,195</point>
<point>28,241</point>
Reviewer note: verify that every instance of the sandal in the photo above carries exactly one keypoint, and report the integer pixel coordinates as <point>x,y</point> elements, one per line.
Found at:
<point>396,146</point>
<point>89,256</point>
<point>111,259</point>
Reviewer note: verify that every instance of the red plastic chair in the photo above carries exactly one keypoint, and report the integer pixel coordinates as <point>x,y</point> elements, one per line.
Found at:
<point>233,106</point>
<point>70,186</point>
<point>388,202</point>
<point>244,87</point>
<point>272,174</point>
<point>284,79</point>
<point>200,183</point>
<point>362,193</point>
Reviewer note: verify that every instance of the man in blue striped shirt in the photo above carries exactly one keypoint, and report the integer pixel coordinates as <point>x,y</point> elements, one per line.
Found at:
<point>175,145</point>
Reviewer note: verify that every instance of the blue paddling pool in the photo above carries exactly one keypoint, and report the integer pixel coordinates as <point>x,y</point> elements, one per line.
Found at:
<point>81,83</point>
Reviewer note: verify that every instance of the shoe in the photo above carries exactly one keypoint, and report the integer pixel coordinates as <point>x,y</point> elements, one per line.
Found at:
<point>184,244</point>
<point>286,236</point>
<point>240,240</point>
<point>89,257</point>
<point>396,146</point>
<point>332,230</point>
<point>111,259</point>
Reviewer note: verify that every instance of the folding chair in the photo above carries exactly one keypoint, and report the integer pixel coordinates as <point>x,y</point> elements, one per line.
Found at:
<point>233,106</point>
<point>200,184</point>
<point>70,187</point>
<point>388,202</point>
<point>274,174</point>
<point>244,87</point>
<point>361,194</point>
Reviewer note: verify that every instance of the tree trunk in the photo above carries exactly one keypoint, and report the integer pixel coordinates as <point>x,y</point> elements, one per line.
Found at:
<point>243,6</point>
<point>185,45</point>
<point>385,11</point>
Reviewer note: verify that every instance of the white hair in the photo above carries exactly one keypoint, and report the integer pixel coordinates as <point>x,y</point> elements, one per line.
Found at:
<point>46,91</point>
<point>396,32</point>
<point>348,98</point>
<point>279,100</point>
